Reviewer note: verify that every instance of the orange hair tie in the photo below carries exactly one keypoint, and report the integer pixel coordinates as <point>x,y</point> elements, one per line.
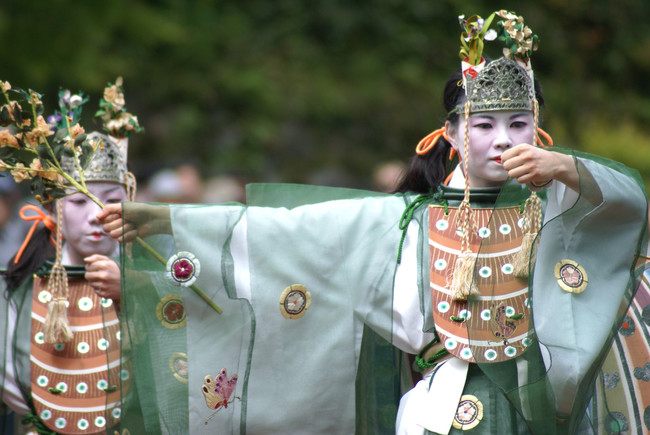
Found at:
<point>40,217</point>
<point>546,136</point>
<point>430,141</point>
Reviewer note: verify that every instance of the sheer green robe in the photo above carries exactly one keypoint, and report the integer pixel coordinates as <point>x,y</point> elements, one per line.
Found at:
<point>322,370</point>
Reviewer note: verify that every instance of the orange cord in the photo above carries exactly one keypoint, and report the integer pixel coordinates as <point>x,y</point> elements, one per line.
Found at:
<point>40,217</point>
<point>448,179</point>
<point>546,136</point>
<point>430,141</point>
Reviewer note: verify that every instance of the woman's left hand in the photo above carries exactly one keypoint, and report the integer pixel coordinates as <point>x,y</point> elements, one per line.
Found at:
<point>103,275</point>
<point>528,164</point>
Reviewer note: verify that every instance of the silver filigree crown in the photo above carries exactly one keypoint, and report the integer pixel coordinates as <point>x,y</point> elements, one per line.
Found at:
<point>107,164</point>
<point>502,84</point>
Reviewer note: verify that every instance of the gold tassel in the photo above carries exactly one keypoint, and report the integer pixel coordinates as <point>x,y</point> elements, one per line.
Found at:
<point>56,328</point>
<point>532,223</point>
<point>462,282</point>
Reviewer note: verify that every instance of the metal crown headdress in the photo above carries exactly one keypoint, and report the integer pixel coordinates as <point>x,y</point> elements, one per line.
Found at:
<point>107,164</point>
<point>502,84</point>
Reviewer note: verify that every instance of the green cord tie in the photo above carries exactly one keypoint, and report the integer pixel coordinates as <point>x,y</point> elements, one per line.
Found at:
<point>407,216</point>
<point>405,220</point>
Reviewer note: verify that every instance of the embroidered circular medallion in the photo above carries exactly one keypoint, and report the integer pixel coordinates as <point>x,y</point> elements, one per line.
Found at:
<point>442,225</point>
<point>443,306</point>
<point>490,354</point>
<point>571,277</point>
<point>294,301</point>
<point>102,344</point>
<point>83,424</point>
<point>440,264</point>
<point>82,388</point>
<point>450,343</point>
<point>469,413</point>
<point>42,381</point>
<point>183,268</point>
<point>505,229</point>
<point>178,366</point>
<point>484,232</point>
<point>171,311</point>
<point>507,268</point>
<point>100,421</point>
<point>44,296</point>
<point>85,304</point>
<point>466,353</point>
<point>485,272</point>
<point>60,423</point>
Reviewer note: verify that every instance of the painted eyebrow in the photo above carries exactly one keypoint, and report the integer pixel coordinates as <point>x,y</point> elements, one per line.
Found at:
<point>490,117</point>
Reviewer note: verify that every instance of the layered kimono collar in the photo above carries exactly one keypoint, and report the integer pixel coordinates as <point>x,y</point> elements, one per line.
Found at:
<point>457,180</point>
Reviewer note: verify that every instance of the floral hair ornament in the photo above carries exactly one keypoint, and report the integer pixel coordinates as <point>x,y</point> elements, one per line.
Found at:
<point>119,124</point>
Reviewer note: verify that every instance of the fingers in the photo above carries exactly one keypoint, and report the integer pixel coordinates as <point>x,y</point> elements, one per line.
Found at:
<point>110,209</point>
<point>103,275</point>
<point>525,164</point>
<point>129,234</point>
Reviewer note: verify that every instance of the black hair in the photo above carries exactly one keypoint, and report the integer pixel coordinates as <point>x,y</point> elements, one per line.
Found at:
<point>426,172</point>
<point>38,250</point>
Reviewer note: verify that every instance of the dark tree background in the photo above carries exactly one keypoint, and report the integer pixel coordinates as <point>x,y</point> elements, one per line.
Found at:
<point>321,90</point>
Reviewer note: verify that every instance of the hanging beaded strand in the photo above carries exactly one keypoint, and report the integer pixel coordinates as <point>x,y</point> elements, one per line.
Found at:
<point>462,282</point>
<point>56,328</point>
<point>531,220</point>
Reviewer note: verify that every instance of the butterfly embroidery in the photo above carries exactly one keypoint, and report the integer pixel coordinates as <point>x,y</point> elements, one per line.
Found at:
<point>218,391</point>
<point>502,328</point>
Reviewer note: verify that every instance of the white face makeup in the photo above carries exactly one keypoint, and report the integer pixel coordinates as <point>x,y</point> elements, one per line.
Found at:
<point>490,134</point>
<point>82,231</point>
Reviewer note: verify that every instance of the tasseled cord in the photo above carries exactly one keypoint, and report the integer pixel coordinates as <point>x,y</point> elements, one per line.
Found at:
<point>56,328</point>
<point>462,281</point>
<point>531,224</point>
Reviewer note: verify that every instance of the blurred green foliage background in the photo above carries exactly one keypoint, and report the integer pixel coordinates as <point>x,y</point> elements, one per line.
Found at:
<point>321,91</point>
